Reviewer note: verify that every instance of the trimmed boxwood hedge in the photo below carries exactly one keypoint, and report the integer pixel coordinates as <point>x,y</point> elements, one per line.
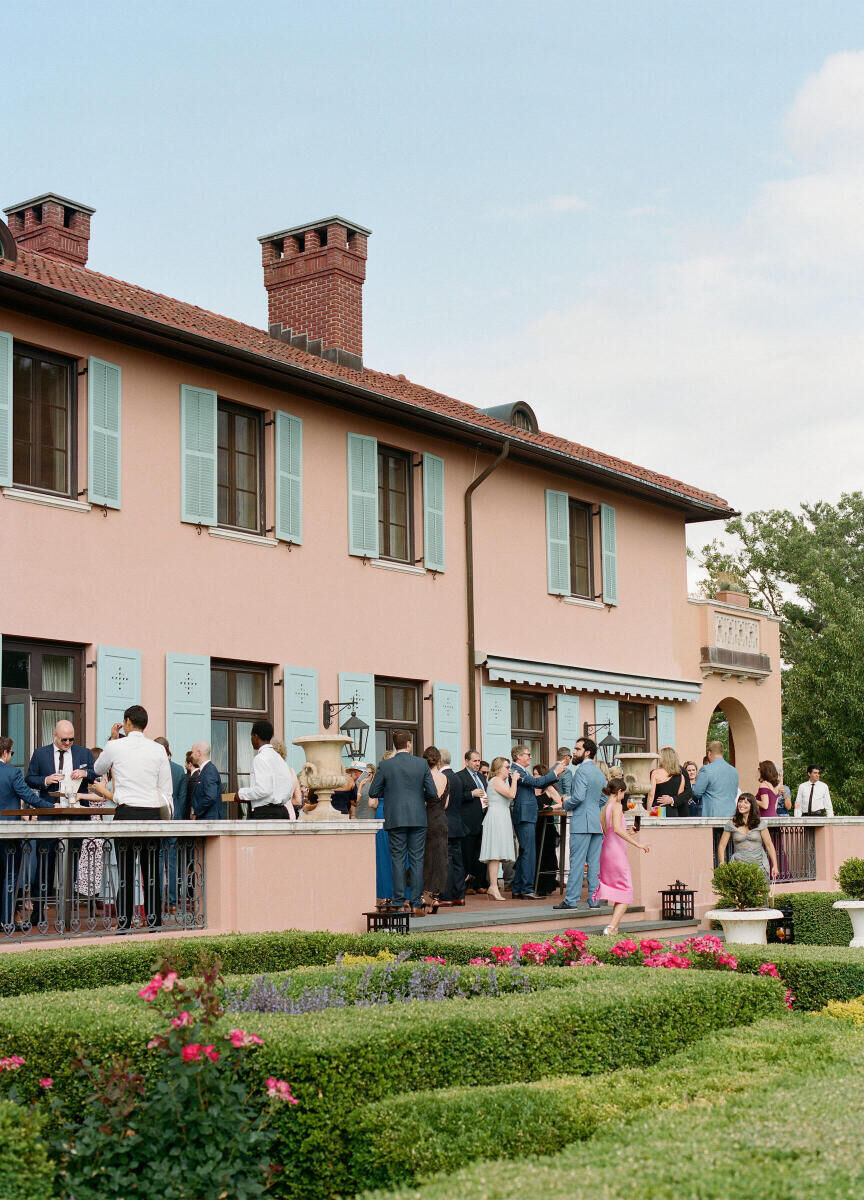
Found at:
<point>408,1137</point>
<point>26,1171</point>
<point>341,1060</point>
<point>817,923</point>
<point>814,974</point>
<point>795,1133</point>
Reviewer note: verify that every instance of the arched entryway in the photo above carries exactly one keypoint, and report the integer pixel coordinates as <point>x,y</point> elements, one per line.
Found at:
<point>732,724</point>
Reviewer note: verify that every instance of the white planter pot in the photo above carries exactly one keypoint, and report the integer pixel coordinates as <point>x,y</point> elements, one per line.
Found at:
<point>745,927</point>
<point>855,909</point>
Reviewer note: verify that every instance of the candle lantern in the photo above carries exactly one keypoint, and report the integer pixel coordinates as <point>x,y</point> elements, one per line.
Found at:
<point>677,902</point>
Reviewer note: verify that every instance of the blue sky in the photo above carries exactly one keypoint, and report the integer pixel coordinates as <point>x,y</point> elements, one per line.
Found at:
<point>641,216</point>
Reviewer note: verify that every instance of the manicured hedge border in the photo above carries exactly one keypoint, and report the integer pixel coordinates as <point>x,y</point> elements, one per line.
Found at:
<point>814,974</point>
<point>817,923</point>
<point>341,1060</point>
<point>402,1138</point>
<point>26,1172</point>
<point>795,1133</point>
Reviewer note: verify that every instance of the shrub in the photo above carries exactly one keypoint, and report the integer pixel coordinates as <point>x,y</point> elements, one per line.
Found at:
<point>743,1146</point>
<point>814,974</point>
<point>404,1137</point>
<point>26,1171</point>
<point>846,1010</point>
<point>740,885</point>
<point>817,922</point>
<point>339,1062</point>
<point>850,876</point>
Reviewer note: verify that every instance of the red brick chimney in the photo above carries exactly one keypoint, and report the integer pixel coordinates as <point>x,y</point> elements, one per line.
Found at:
<point>314,279</point>
<point>52,225</point>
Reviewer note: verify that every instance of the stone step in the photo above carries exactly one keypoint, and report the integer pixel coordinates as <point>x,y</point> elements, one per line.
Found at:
<point>535,916</point>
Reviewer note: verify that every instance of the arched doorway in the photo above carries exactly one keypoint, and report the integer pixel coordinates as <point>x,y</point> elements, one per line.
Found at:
<point>732,725</point>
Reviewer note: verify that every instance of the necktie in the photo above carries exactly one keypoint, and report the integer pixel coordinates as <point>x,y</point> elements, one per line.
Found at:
<point>61,754</point>
<point>810,800</point>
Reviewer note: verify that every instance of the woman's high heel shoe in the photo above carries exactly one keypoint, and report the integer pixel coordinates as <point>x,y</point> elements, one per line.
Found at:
<point>495,895</point>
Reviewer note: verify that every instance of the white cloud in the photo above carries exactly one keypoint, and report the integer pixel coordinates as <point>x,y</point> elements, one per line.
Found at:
<point>550,206</point>
<point>738,366</point>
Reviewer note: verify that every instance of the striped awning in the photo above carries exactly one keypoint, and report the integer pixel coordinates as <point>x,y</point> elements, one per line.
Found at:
<point>585,679</point>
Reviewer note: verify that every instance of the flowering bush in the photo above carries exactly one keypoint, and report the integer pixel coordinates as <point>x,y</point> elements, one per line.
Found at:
<point>196,1129</point>
<point>398,982</point>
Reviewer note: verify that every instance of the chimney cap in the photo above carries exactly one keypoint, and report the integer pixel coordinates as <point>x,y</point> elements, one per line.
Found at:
<point>351,226</point>
<point>47,196</point>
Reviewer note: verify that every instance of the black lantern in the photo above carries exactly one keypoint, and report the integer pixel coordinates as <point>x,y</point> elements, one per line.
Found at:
<point>358,732</point>
<point>677,902</point>
<point>782,931</point>
<point>609,748</point>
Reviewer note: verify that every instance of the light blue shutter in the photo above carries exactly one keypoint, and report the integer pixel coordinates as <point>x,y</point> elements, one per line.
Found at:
<point>198,418</point>
<point>187,702</point>
<point>433,513</point>
<point>362,686</point>
<point>289,479</point>
<point>605,710</point>
<point>447,719</point>
<point>118,685</point>
<point>301,709</point>
<point>609,550</point>
<point>665,725</point>
<point>495,722</point>
<point>362,496</point>
<point>558,543</point>
<point>569,728</point>
<point>5,409</point>
<point>104,384</point>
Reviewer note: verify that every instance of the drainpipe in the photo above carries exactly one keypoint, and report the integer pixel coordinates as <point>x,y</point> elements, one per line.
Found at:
<point>469,588</point>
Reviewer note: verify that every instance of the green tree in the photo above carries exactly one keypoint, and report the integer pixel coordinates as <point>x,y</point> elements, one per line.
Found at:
<point>808,568</point>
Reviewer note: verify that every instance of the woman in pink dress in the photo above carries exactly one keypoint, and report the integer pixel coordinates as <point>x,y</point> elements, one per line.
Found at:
<point>616,884</point>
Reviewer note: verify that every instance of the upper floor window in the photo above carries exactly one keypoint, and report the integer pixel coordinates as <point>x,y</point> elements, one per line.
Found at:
<point>397,706</point>
<point>581,551</point>
<point>43,412</point>
<point>240,435</point>
<point>395,505</point>
<point>571,550</point>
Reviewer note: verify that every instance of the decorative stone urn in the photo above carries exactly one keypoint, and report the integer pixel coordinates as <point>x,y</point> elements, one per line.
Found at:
<point>744,926</point>
<point>855,909</point>
<point>637,770</point>
<point>324,772</point>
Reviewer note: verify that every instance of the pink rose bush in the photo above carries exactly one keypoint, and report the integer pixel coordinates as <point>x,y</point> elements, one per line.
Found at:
<point>278,1089</point>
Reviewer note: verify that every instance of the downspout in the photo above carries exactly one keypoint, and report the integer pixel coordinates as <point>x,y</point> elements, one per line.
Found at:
<point>469,589</point>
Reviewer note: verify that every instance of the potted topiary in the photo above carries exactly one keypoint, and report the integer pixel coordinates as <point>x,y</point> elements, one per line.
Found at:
<point>743,908</point>
<point>850,876</point>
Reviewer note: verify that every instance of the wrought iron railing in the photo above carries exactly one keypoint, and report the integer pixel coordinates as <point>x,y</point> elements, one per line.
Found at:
<point>106,883</point>
<point>795,847</point>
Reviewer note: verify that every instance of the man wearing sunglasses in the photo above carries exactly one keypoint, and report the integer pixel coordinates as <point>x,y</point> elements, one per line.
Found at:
<point>48,766</point>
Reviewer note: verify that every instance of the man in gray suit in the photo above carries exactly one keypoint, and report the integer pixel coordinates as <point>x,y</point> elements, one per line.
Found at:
<point>716,785</point>
<point>586,835</point>
<point>405,783</point>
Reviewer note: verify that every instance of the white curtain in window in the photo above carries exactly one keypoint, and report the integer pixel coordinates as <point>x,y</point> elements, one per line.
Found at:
<point>48,718</point>
<point>58,673</point>
<point>245,753</point>
<point>245,690</point>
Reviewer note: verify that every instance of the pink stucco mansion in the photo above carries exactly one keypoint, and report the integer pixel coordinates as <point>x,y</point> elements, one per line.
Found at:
<point>224,522</point>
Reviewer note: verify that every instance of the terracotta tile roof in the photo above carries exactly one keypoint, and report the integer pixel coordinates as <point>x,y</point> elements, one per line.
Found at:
<point>176,314</point>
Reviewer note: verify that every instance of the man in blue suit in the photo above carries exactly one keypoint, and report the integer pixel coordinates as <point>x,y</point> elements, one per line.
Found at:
<point>586,835</point>
<point>181,809</point>
<point>405,783</point>
<point>14,793</point>
<point>205,786</point>
<point>716,785</point>
<point>525,819</point>
<point>48,766</point>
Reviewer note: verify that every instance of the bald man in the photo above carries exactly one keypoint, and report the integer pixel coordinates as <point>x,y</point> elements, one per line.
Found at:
<point>48,766</point>
<point>205,786</point>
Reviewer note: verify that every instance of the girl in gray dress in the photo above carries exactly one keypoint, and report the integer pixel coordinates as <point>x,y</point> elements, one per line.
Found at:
<point>751,840</point>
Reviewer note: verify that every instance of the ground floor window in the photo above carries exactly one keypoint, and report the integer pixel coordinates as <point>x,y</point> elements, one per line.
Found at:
<point>240,694</point>
<point>397,706</point>
<point>633,728</point>
<point>42,683</point>
<point>528,723</point>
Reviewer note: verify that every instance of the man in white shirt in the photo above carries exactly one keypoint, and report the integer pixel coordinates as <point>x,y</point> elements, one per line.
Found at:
<point>273,783</point>
<point>142,782</point>
<point>813,798</point>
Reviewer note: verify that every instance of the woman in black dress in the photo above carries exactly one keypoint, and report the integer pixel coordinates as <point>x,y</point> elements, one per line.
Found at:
<point>435,854</point>
<point>668,787</point>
